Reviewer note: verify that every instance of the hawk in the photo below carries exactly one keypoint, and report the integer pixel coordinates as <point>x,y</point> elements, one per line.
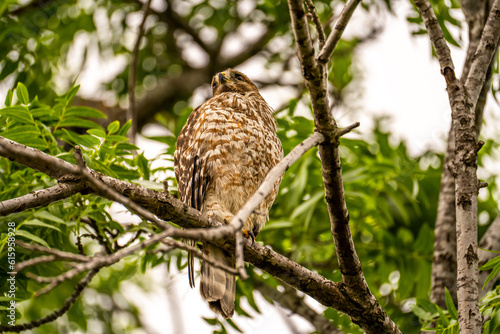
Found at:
<point>223,154</point>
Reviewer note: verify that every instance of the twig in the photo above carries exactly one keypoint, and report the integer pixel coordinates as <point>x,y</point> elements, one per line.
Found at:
<point>31,262</point>
<point>132,108</point>
<point>239,256</point>
<point>334,37</point>
<point>484,53</point>
<point>317,23</point>
<point>290,300</point>
<point>196,252</point>
<point>53,316</point>
<point>58,253</point>
<point>98,262</point>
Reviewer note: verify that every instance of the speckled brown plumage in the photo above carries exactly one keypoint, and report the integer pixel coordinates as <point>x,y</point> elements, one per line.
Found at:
<point>224,151</point>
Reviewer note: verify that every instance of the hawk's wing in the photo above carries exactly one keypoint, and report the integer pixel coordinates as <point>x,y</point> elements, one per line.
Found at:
<point>189,162</point>
<point>190,170</point>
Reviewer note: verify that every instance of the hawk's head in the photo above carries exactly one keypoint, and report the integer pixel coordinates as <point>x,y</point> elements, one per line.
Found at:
<point>232,81</point>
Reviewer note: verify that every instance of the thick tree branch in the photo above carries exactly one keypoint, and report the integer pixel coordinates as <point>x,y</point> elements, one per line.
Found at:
<point>374,320</point>
<point>291,301</point>
<point>445,259</point>
<point>41,197</point>
<point>463,104</point>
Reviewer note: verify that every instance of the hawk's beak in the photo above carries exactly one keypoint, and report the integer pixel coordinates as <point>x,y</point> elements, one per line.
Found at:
<point>223,78</point>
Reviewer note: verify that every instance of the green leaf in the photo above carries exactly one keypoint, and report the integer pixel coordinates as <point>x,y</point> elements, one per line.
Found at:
<point>87,112</point>
<point>18,113</point>
<point>491,263</point>
<point>32,237</point>
<point>113,127</point>
<point>78,123</point>
<point>123,131</point>
<point>22,94</point>
<point>47,215</point>
<point>450,305</point>
<point>37,222</point>
<point>8,98</point>
<point>97,132</point>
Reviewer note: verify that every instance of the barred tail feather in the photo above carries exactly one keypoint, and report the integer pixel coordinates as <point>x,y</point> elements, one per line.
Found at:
<point>217,286</point>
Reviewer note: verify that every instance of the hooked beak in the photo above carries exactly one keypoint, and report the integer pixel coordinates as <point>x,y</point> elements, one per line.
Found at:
<point>223,78</point>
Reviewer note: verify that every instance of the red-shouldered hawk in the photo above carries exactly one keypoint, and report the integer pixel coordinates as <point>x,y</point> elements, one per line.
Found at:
<point>224,151</point>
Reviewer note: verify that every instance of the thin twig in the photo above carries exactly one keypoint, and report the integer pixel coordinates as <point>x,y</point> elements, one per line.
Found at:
<point>239,256</point>
<point>58,253</point>
<point>98,262</point>
<point>132,108</point>
<point>37,260</point>
<point>334,37</point>
<point>171,243</point>
<point>317,23</point>
<point>484,53</point>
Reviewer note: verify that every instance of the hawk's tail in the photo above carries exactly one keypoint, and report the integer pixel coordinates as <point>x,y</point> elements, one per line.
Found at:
<point>217,286</point>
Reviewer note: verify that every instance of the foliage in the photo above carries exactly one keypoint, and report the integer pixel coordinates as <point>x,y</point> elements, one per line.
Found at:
<point>59,225</point>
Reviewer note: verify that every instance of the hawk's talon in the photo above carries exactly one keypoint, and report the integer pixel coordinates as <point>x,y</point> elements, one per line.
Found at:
<point>248,234</point>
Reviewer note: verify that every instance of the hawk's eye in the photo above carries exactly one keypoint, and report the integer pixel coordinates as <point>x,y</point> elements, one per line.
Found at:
<point>238,77</point>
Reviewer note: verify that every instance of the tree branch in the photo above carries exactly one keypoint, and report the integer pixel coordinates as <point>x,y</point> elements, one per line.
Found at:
<point>132,108</point>
<point>484,54</point>
<point>338,30</point>
<point>374,320</point>
<point>463,104</point>
<point>41,197</point>
<point>444,265</point>
<point>291,301</point>
<point>317,23</point>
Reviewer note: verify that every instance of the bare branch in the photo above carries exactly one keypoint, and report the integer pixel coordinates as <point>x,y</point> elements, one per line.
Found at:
<point>199,254</point>
<point>437,39</point>
<point>315,75</point>
<point>56,252</point>
<point>290,300</point>
<point>98,262</point>
<point>484,53</point>
<point>317,23</point>
<point>41,197</point>
<point>132,108</point>
<point>53,316</point>
<point>32,262</point>
<point>338,30</point>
